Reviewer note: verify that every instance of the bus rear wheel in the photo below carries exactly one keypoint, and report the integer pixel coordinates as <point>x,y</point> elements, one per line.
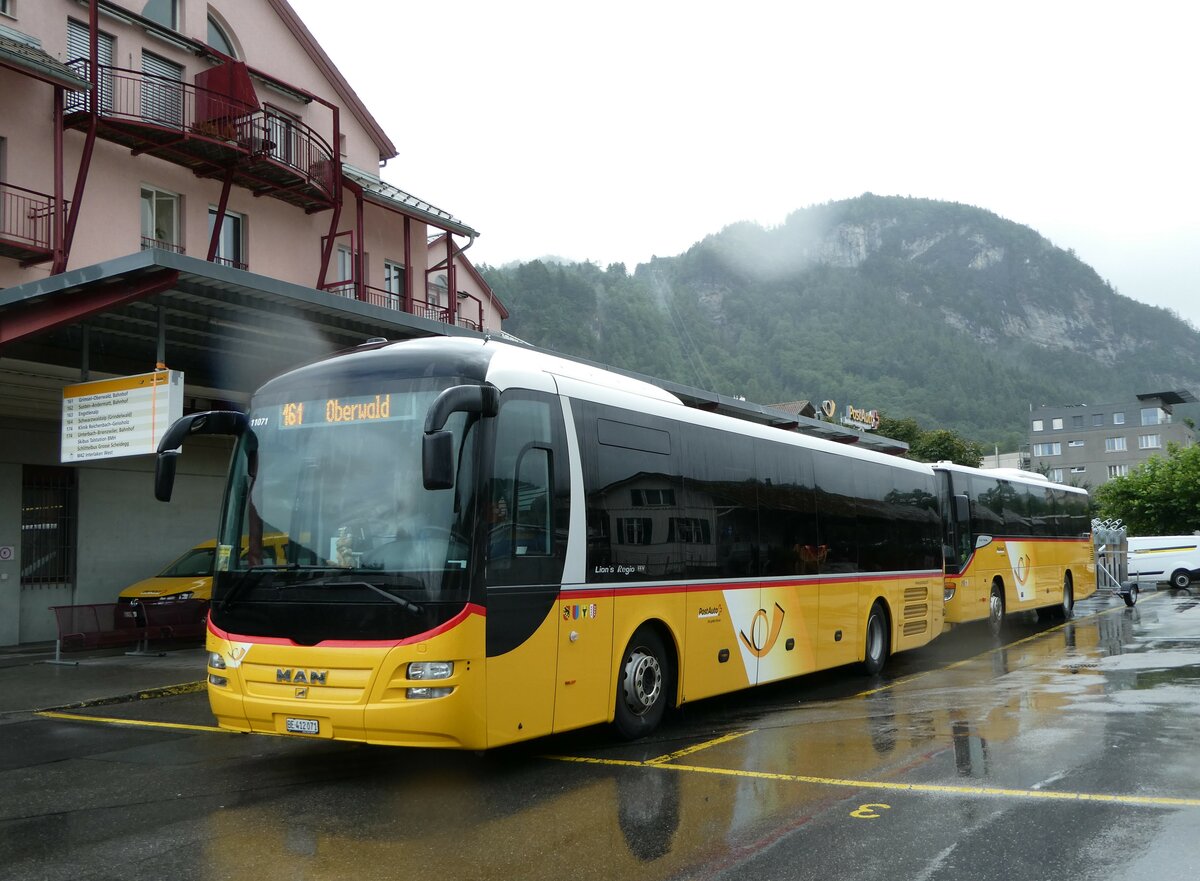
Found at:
<point>1067,609</point>
<point>876,651</point>
<point>645,676</point>
<point>996,610</point>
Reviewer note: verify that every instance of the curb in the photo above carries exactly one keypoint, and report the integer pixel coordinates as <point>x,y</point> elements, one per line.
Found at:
<point>144,695</point>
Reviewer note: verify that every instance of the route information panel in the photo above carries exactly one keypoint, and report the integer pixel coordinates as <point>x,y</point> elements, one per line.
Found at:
<point>119,417</point>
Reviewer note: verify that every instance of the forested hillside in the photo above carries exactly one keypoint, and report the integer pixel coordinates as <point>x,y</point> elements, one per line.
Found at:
<point>936,311</point>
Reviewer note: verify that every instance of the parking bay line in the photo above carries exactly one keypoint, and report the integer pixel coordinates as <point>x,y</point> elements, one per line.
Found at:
<point>136,723</point>
<point>885,786</point>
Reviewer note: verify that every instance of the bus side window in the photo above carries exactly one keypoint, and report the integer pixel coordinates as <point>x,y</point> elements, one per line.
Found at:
<point>533,515</point>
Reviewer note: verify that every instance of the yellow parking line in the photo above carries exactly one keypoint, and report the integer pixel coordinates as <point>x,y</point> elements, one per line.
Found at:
<point>687,751</point>
<point>136,723</point>
<point>985,791</point>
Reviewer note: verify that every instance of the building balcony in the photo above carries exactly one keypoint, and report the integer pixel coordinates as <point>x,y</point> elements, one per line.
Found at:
<point>210,131</point>
<point>26,224</point>
<point>392,300</point>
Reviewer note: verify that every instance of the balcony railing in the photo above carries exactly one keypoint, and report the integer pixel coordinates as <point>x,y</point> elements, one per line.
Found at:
<point>26,220</point>
<point>391,300</point>
<point>208,131</point>
<point>162,244</point>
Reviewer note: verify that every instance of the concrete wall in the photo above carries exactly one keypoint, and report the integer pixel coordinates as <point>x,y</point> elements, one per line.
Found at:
<point>122,534</point>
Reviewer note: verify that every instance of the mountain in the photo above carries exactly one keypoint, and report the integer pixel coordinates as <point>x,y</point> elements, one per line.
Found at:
<point>937,311</point>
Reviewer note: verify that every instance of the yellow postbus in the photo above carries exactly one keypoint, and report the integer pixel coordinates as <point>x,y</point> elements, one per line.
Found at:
<point>488,544</point>
<point>1015,542</point>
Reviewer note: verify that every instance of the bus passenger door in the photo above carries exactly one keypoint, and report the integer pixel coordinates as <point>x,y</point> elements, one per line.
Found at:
<point>584,659</point>
<point>525,525</point>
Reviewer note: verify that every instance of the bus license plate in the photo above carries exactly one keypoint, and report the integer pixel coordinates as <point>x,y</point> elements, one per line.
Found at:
<point>302,726</point>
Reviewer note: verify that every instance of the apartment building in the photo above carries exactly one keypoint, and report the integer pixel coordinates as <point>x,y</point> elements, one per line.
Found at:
<point>188,185</point>
<point>1089,445</point>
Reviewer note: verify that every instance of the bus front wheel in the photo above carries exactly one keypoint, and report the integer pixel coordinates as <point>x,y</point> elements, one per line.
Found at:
<point>877,641</point>
<point>996,610</point>
<point>645,675</point>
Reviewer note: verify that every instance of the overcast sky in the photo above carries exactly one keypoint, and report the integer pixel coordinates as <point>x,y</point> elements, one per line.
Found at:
<point>616,131</point>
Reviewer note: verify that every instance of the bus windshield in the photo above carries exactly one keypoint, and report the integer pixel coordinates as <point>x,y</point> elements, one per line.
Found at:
<point>370,553</point>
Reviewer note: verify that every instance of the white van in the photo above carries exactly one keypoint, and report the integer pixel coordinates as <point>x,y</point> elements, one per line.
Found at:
<point>1171,559</point>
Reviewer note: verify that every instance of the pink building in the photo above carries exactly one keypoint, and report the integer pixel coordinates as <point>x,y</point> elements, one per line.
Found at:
<point>190,183</point>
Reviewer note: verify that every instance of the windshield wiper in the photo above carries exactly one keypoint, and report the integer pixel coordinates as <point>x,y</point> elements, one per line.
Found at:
<point>398,600</point>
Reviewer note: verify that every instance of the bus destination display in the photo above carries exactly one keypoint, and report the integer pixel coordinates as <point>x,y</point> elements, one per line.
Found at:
<point>336,411</point>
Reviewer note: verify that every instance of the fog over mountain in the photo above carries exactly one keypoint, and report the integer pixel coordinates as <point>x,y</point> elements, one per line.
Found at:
<point>937,311</point>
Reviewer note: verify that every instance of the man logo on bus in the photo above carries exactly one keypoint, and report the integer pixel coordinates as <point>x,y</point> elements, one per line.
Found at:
<point>762,639</point>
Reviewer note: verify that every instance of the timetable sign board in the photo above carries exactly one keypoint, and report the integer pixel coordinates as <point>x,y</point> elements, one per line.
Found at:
<point>125,416</point>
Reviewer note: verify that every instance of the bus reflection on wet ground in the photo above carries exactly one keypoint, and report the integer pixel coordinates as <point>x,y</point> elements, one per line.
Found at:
<point>1040,742</point>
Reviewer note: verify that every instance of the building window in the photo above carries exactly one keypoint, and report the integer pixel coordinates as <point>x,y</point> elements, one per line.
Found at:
<point>1054,449</point>
<point>78,49</point>
<point>6,7</point>
<point>1118,470</point>
<point>47,525</point>
<point>689,530</point>
<point>649,498</point>
<point>1079,469</point>
<point>162,91</point>
<point>1115,445</point>
<point>393,283</point>
<point>1075,443</point>
<point>343,284</point>
<point>231,244</point>
<point>1154,416</point>
<point>218,39</point>
<point>281,132</point>
<point>634,530</point>
<point>1118,419</point>
<point>164,12</point>
<point>1055,475</point>
<point>160,220</point>
<point>1038,425</point>
<point>1077,422</point>
<point>1150,442</point>
<point>1056,424</point>
<point>1097,420</point>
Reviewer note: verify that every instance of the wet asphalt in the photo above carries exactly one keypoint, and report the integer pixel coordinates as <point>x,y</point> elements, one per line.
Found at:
<point>1062,749</point>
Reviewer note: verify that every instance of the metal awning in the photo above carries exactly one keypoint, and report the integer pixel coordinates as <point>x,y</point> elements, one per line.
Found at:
<point>224,327</point>
<point>1177,396</point>
<point>375,190</point>
<point>25,55</point>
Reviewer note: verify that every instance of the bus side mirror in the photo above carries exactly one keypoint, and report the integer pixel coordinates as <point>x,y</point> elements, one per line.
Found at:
<point>229,422</point>
<point>437,460</point>
<point>164,474</point>
<point>437,446</point>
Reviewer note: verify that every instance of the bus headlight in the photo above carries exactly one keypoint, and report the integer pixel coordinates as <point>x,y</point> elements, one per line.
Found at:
<point>430,670</point>
<point>948,593</point>
<point>221,681</point>
<point>426,670</point>
<point>216,661</point>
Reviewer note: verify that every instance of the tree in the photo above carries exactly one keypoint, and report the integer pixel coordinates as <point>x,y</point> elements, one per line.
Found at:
<point>942,444</point>
<point>931,446</point>
<point>1159,497</point>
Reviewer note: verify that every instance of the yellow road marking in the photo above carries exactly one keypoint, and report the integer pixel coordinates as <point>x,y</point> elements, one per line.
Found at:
<point>678,754</point>
<point>137,723</point>
<point>986,791</point>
